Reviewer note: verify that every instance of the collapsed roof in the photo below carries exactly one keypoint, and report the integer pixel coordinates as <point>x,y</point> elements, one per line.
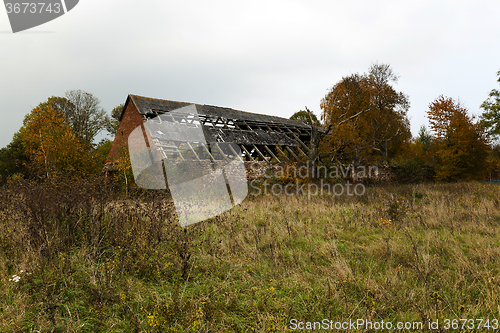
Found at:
<point>260,137</point>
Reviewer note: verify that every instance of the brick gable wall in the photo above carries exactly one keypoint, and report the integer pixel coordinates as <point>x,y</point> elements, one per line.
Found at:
<point>130,120</point>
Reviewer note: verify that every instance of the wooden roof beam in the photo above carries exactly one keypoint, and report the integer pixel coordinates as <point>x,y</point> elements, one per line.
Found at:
<point>300,141</point>
<point>224,157</point>
<point>278,148</point>
<point>271,153</point>
<point>234,152</point>
<point>261,155</point>
<point>248,153</point>
<point>194,152</point>
<point>292,153</point>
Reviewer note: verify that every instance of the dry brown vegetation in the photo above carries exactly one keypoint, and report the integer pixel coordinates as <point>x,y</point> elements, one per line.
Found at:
<point>99,262</point>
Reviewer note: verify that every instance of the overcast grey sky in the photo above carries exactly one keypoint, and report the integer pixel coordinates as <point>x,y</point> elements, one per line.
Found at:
<point>272,57</point>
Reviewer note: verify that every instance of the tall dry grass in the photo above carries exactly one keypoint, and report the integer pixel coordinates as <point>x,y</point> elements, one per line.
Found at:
<point>99,262</point>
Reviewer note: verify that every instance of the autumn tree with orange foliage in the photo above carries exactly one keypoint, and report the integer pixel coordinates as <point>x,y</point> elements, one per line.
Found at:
<point>462,144</point>
<point>52,146</point>
<point>366,116</point>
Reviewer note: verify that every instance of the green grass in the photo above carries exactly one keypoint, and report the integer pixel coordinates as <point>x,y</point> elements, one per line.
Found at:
<point>400,253</point>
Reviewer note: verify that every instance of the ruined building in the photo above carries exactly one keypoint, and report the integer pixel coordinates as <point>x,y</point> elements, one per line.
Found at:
<point>263,138</point>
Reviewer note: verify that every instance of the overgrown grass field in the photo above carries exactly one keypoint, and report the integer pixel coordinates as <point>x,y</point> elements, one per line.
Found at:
<point>77,257</point>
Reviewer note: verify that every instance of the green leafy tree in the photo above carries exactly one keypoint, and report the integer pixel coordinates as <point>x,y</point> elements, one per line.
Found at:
<point>303,116</point>
<point>13,159</point>
<point>425,146</point>
<point>462,146</point>
<point>491,114</point>
<point>424,137</point>
<point>114,121</point>
<point>493,163</point>
<point>102,149</point>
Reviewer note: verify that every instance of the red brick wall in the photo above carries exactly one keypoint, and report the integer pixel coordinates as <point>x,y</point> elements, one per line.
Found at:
<point>131,119</point>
